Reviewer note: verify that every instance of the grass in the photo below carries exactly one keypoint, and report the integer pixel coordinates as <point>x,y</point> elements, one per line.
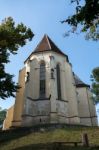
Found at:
<point>29,140</point>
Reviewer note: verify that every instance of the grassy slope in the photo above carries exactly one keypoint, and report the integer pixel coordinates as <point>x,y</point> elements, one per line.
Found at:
<point>22,141</point>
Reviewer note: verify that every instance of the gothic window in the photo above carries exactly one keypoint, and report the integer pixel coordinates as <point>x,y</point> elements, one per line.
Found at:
<point>58,81</point>
<point>42,79</point>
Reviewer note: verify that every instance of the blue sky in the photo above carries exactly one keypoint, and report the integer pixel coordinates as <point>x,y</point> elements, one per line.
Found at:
<point>44,16</point>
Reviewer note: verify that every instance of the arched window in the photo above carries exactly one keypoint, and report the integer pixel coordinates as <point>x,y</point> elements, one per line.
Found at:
<point>42,79</point>
<point>58,81</point>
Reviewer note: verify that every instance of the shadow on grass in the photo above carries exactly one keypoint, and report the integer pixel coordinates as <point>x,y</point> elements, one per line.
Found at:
<point>6,136</point>
<point>50,146</point>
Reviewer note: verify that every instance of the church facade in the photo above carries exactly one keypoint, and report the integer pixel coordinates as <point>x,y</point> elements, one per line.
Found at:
<point>50,91</point>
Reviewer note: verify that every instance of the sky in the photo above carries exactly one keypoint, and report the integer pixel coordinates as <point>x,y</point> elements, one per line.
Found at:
<point>43,17</point>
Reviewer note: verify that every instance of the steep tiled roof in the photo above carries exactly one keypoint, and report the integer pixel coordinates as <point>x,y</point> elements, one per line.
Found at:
<point>79,82</point>
<point>46,44</point>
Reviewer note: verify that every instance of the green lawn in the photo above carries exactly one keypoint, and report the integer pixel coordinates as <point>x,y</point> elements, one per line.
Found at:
<point>17,140</point>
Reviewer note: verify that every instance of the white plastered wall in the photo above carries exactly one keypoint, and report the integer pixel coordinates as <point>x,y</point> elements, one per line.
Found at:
<point>71,96</point>
<point>34,109</point>
<point>86,107</point>
<point>92,108</point>
<point>59,107</point>
<point>19,102</point>
<point>61,111</point>
<point>9,118</point>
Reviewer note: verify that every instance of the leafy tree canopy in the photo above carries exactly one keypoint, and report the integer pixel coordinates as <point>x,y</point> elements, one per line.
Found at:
<point>95,84</point>
<point>11,38</point>
<point>86,17</point>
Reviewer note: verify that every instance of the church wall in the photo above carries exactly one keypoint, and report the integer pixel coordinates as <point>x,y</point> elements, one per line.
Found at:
<point>8,120</point>
<point>19,102</point>
<point>61,60</point>
<point>86,107</point>
<point>35,110</point>
<point>49,64</point>
<point>51,87</point>
<point>53,90</point>
<point>43,111</point>
<point>59,107</point>
<point>62,111</point>
<point>92,108</point>
<point>68,92</point>
<point>66,110</point>
<point>71,96</point>
<point>38,113</point>
<point>34,74</point>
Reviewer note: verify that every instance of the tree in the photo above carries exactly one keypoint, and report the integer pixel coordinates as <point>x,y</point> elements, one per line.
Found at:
<point>85,18</point>
<point>2,115</point>
<point>11,38</point>
<point>95,84</point>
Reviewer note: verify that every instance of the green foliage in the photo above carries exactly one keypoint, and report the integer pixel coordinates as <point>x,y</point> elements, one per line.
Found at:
<point>11,38</point>
<point>2,116</point>
<point>87,16</point>
<point>95,84</point>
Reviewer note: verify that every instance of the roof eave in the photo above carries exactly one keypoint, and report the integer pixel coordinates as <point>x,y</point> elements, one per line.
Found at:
<point>82,85</point>
<point>37,52</point>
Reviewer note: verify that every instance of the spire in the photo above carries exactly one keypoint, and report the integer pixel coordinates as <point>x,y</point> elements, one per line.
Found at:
<point>46,44</point>
<point>43,45</point>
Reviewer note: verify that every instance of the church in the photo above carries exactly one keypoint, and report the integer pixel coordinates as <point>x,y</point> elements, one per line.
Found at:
<point>50,93</point>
